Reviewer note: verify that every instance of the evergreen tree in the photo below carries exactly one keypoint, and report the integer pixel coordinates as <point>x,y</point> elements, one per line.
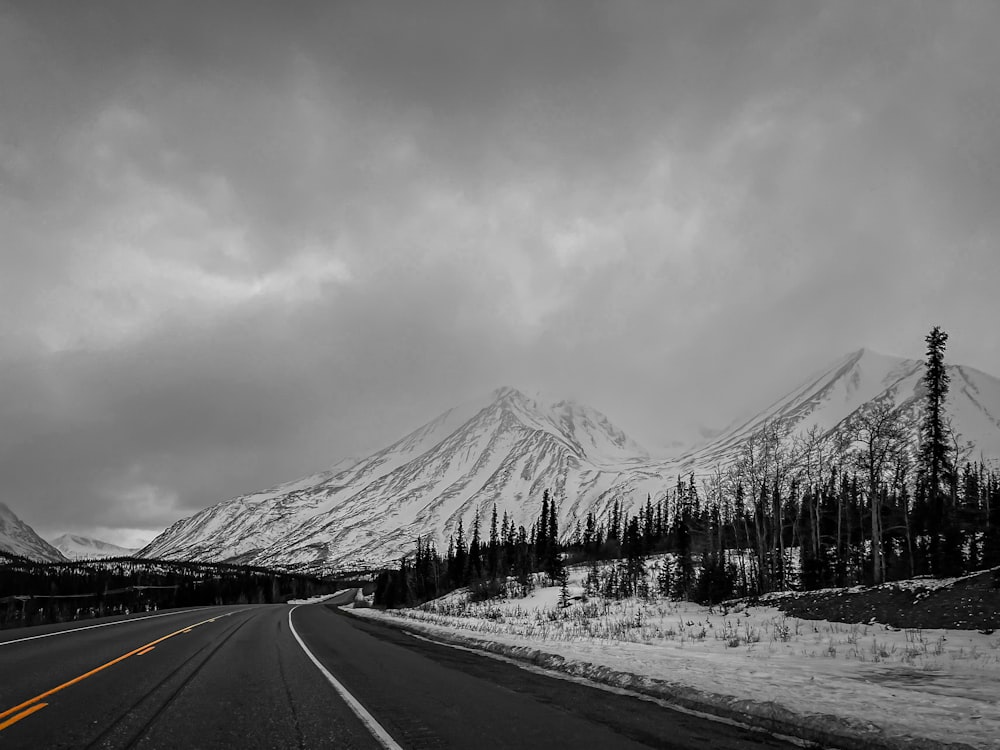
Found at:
<point>592,583</point>
<point>542,530</point>
<point>634,572</point>
<point>523,560</point>
<point>590,536</point>
<point>459,566</point>
<point>935,468</point>
<point>564,588</point>
<point>493,553</point>
<point>684,580</point>
<point>551,561</point>
<point>614,523</point>
<point>475,552</point>
<point>648,525</point>
<point>664,584</point>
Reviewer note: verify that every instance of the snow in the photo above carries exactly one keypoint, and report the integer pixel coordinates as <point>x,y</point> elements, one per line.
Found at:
<point>317,599</point>
<point>19,538</point>
<point>506,449</point>
<point>77,547</point>
<point>942,685</point>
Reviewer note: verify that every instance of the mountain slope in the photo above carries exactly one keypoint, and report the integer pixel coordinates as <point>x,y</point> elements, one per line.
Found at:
<point>76,547</point>
<point>829,399</point>
<point>509,448</point>
<point>18,538</point>
<point>506,450</point>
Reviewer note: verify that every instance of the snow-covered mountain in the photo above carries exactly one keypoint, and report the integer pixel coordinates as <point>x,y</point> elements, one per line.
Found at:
<point>18,538</point>
<point>507,449</point>
<point>830,398</point>
<point>76,547</point>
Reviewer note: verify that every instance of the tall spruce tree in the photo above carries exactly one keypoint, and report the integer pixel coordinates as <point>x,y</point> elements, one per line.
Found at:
<point>493,553</point>
<point>935,469</point>
<point>475,551</point>
<point>458,572</point>
<point>542,532</point>
<point>552,562</point>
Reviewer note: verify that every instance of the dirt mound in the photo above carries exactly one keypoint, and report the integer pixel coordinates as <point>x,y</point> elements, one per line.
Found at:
<point>969,603</point>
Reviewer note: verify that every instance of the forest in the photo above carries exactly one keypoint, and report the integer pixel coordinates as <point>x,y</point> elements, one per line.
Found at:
<point>33,593</point>
<point>864,504</point>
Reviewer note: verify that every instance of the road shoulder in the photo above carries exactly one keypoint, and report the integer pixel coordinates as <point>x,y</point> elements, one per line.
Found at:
<point>820,729</point>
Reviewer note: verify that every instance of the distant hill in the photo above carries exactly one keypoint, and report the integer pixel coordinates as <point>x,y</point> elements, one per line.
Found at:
<point>76,547</point>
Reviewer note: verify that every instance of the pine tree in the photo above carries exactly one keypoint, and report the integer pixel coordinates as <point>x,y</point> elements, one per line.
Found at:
<point>590,536</point>
<point>564,588</point>
<point>664,584</point>
<point>648,525</point>
<point>935,469</point>
<point>614,523</point>
<point>542,531</point>
<point>493,553</point>
<point>551,561</point>
<point>475,551</point>
<point>458,573</point>
<point>592,583</point>
<point>684,580</point>
<point>635,562</point>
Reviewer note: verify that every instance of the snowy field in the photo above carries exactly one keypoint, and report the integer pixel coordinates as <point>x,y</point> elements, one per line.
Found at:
<point>942,685</point>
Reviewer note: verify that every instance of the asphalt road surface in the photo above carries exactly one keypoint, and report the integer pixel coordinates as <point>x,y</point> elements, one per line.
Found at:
<point>241,677</point>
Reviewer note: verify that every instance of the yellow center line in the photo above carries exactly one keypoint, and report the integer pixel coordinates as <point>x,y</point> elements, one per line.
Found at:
<point>145,651</point>
<point>22,715</point>
<point>144,648</point>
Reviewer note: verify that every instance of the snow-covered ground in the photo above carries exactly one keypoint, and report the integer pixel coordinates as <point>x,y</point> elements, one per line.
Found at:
<point>941,685</point>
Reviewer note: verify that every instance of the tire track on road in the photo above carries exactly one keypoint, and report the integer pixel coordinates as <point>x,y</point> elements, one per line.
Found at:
<point>121,723</point>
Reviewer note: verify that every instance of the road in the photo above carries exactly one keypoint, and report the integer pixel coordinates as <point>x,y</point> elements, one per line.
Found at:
<point>240,677</point>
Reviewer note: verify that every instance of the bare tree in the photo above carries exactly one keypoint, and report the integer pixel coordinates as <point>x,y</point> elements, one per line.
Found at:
<point>876,436</point>
<point>813,459</point>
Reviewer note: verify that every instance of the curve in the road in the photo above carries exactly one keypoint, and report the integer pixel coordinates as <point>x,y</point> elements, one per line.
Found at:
<point>377,730</point>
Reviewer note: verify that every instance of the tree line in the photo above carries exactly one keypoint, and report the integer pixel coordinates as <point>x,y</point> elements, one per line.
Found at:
<point>504,562</point>
<point>859,505</point>
<point>33,592</point>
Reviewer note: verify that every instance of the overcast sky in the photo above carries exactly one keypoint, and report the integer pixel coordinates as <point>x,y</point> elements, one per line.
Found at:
<point>241,241</point>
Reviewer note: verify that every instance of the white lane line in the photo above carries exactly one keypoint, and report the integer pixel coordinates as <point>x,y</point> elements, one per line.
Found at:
<point>377,730</point>
<point>91,627</point>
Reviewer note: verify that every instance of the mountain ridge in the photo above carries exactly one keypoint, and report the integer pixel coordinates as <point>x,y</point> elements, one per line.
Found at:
<point>507,448</point>
<point>79,547</point>
<point>18,538</point>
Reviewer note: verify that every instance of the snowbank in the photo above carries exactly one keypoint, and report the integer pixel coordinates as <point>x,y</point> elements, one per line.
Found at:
<point>317,599</point>
<point>833,683</point>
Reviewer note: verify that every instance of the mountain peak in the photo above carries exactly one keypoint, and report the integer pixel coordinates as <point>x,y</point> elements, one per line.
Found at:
<point>504,451</point>
<point>505,392</point>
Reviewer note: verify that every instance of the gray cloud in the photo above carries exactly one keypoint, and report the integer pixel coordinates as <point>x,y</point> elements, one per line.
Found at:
<point>242,241</point>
